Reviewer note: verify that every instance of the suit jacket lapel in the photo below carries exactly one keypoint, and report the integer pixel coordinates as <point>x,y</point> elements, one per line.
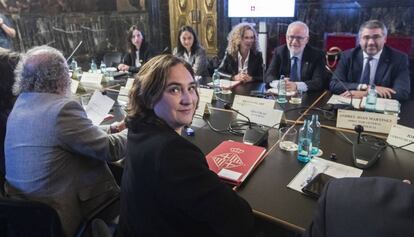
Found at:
<point>382,67</point>
<point>358,66</point>
<point>285,67</point>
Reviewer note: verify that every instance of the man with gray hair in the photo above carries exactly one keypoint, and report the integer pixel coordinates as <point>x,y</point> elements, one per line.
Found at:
<point>302,65</point>
<point>54,154</point>
<point>372,63</point>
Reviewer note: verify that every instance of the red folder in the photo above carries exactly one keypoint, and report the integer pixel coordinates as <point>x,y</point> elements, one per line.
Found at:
<point>234,161</point>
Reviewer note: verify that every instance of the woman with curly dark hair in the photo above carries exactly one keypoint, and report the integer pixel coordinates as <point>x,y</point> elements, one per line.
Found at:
<point>8,62</point>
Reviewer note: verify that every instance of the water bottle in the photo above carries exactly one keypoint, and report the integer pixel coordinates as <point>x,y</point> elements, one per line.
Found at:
<point>216,81</point>
<point>305,142</point>
<point>371,101</point>
<point>281,90</point>
<point>94,67</point>
<point>102,67</point>
<point>73,65</point>
<point>315,125</point>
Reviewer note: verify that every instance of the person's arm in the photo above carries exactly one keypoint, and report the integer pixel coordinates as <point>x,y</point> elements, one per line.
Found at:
<point>257,75</point>
<point>318,73</point>
<point>341,73</point>
<point>401,76</point>
<point>188,185</point>
<point>7,29</point>
<point>226,65</point>
<point>77,134</point>
<point>273,69</point>
<point>200,64</point>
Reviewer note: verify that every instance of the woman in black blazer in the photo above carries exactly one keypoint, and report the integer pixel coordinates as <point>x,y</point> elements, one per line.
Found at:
<point>139,51</point>
<point>167,187</point>
<point>243,60</point>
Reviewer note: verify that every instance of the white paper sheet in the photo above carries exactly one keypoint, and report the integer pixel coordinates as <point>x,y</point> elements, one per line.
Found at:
<point>318,165</point>
<point>337,99</point>
<point>98,107</point>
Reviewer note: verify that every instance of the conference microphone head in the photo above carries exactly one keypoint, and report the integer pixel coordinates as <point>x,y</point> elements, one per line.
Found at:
<point>359,128</point>
<point>228,106</point>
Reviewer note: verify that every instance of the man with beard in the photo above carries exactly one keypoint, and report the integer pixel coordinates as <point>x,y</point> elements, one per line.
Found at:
<point>372,63</point>
<point>301,64</point>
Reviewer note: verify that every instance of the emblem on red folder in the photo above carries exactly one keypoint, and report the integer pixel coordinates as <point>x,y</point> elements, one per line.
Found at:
<point>229,159</point>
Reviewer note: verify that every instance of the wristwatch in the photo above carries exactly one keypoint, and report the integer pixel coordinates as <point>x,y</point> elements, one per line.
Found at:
<point>363,87</point>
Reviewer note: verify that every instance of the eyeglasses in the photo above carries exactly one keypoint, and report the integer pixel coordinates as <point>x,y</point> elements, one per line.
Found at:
<point>373,37</point>
<point>298,38</point>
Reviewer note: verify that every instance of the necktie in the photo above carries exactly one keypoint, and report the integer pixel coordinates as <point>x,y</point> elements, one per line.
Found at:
<point>365,79</point>
<point>294,70</point>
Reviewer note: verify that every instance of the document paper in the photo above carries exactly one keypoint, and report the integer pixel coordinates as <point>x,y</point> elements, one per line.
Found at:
<point>98,107</point>
<point>318,165</point>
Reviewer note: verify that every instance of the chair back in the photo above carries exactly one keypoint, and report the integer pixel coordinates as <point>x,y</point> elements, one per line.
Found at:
<point>21,218</point>
<point>112,59</point>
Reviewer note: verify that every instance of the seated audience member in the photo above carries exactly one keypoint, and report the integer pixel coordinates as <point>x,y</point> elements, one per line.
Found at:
<point>167,187</point>
<point>189,49</point>
<point>7,32</point>
<point>139,51</point>
<point>372,62</point>
<point>302,65</point>
<point>243,60</point>
<point>8,61</point>
<point>361,207</point>
<point>54,154</point>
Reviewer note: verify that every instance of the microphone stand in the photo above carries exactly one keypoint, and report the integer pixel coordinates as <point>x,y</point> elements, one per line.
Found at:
<point>74,51</point>
<point>350,106</point>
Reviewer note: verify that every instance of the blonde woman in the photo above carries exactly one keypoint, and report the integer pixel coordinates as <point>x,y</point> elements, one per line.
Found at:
<point>243,60</point>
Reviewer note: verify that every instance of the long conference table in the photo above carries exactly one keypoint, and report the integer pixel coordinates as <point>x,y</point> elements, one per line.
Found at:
<point>266,188</point>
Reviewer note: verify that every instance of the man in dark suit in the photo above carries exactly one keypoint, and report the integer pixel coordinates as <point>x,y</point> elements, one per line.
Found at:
<point>372,63</point>
<point>301,63</point>
<point>373,206</point>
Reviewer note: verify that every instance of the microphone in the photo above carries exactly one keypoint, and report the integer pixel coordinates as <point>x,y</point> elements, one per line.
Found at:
<point>224,74</point>
<point>366,152</point>
<point>74,51</point>
<point>350,106</point>
<point>165,50</point>
<point>253,135</point>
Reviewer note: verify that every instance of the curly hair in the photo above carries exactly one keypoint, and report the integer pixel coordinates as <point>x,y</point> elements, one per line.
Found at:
<point>235,37</point>
<point>42,69</point>
<point>8,62</point>
<point>196,44</point>
<point>149,85</point>
<point>131,46</point>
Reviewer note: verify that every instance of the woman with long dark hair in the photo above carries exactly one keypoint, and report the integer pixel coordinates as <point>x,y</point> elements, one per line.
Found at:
<point>189,49</point>
<point>139,51</point>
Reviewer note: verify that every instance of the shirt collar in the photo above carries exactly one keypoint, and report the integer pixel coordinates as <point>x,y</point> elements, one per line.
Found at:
<point>376,56</point>
<point>299,56</point>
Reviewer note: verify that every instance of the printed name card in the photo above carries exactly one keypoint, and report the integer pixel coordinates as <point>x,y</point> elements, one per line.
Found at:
<point>401,136</point>
<point>123,94</point>
<point>74,86</point>
<point>259,110</point>
<point>205,97</point>
<point>129,83</point>
<point>91,80</point>
<point>372,122</point>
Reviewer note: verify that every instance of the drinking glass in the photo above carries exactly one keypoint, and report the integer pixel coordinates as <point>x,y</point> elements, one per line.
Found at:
<point>287,137</point>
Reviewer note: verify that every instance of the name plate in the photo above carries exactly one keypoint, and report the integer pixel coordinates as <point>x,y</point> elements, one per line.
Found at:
<point>372,122</point>
<point>129,83</point>
<point>205,97</point>
<point>401,136</point>
<point>74,86</point>
<point>259,110</point>
<point>91,80</point>
<point>123,96</point>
